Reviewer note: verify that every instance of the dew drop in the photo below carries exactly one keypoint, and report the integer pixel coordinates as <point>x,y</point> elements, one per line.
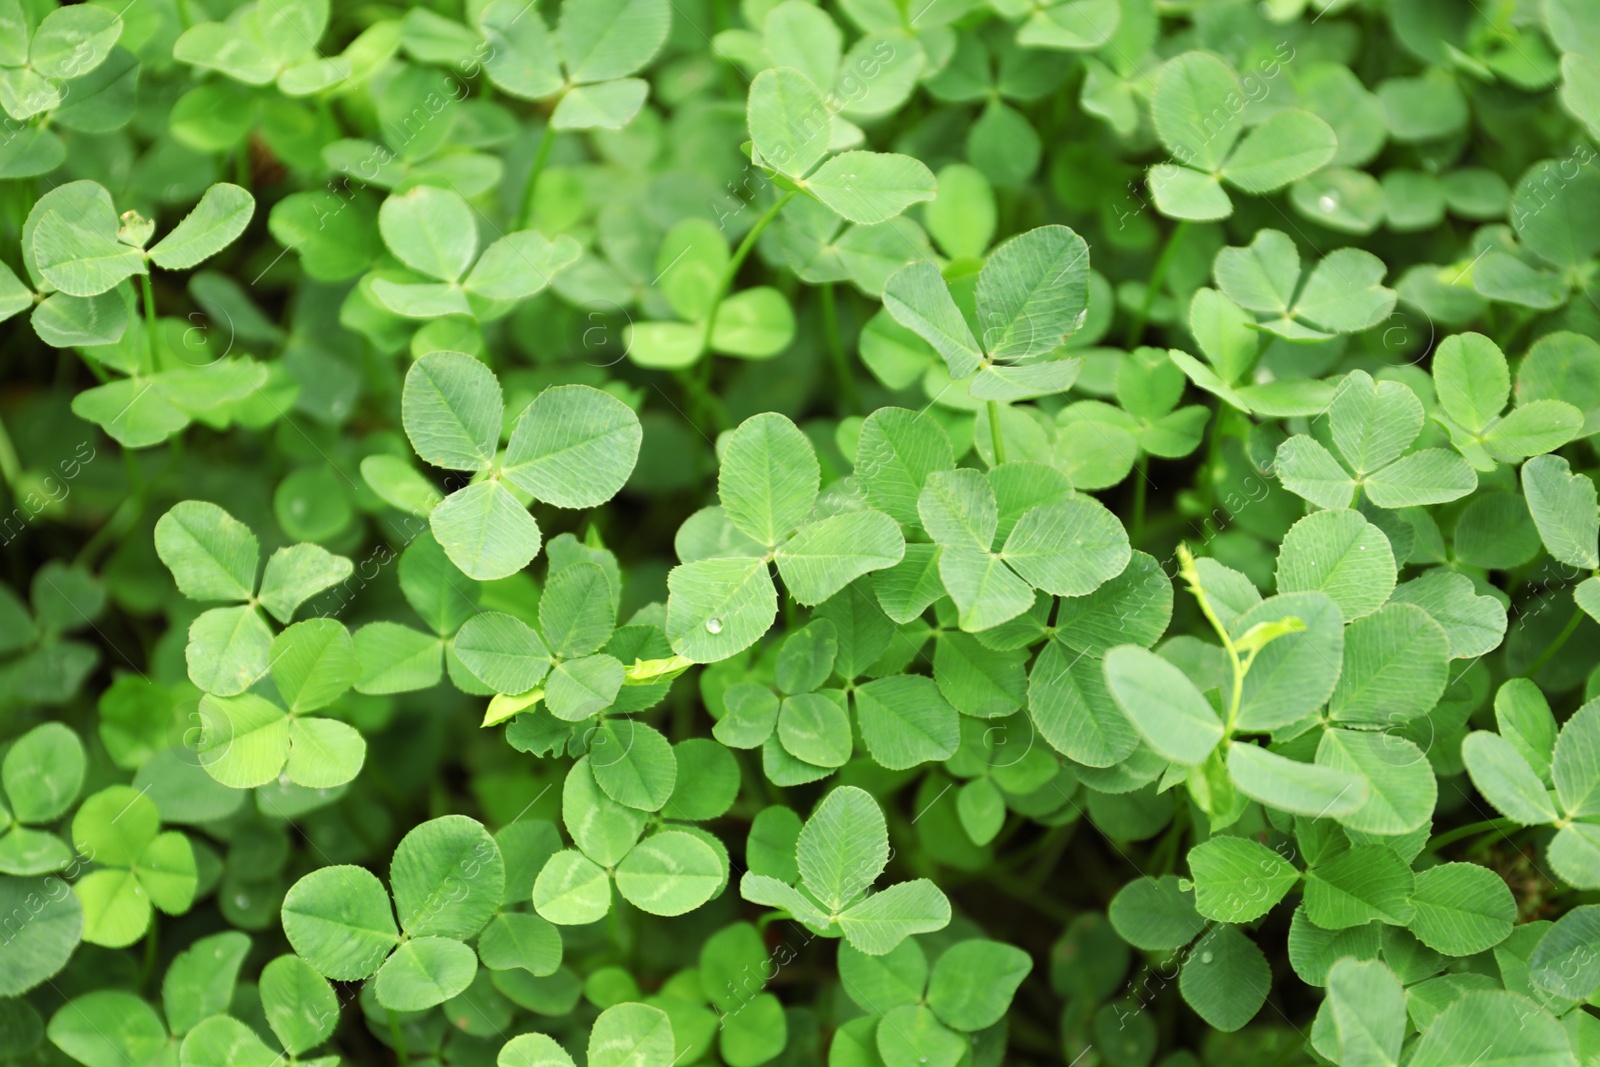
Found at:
<point>713,626</point>
<point>1205,957</point>
<point>241,901</point>
<point>1328,202</point>
<point>138,891</point>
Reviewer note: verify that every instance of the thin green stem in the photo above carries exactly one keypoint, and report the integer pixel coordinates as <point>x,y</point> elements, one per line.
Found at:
<point>1450,837</point>
<point>841,365</point>
<point>1142,479</point>
<point>996,438</point>
<point>1191,575</point>
<point>731,271</point>
<point>1158,275</point>
<point>399,1039</point>
<point>1555,646</point>
<point>546,141</point>
<point>10,465</point>
<point>149,315</point>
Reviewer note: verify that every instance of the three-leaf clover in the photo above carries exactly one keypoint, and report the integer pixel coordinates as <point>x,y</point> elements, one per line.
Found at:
<point>137,865</point>
<point>1198,107</point>
<point>213,556</point>
<point>1473,382</point>
<point>447,877</point>
<point>574,446</point>
<point>669,872</point>
<point>40,777</point>
<point>840,852</point>
<point>1371,424</point>
<point>434,233</point>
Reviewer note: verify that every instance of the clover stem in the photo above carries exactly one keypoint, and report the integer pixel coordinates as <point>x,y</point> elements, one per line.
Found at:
<point>1470,830</point>
<point>732,269</point>
<point>1158,274</point>
<point>1549,653</point>
<point>397,1037</point>
<point>540,158</point>
<point>152,947</point>
<point>10,465</point>
<point>996,438</point>
<point>841,365</point>
<point>1143,479</point>
<point>149,313</point>
<point>1191,575</point>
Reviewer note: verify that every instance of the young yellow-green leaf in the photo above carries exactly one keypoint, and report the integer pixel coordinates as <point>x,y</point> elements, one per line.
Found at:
<point>1297,672</point>
<point>215,223</point>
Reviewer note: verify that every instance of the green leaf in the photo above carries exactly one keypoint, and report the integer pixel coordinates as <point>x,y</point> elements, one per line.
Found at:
<point>521,264</point>
<point>1171,715</point>
<point>825,556</point>
<point>1238,880</point>
<point>631,1035</point>
<point>1194,107</point>
<point>633,764</point>
<point>1396,665</point>
<point>1341,554</point>
<point>1364,884</point>
<point>905,721</point>
<point>918,299</point>
<point>448,876</point>
<point>40,947</point>
<point>1504,778</point>
<point>611,38</point>
<point>608,105</point>
<point>883,920</point>
<point>1564,509</point>
<point>1462,909</point>
<point>313,662</point>
<point>719,607</point>
<point>215,223</point>
<point>1069,548</point>
<point>1575,765</point>
<point>108,1027</point>
<point>424,972</point>
<point>300,1005</point>
<point>1155,914</point>
<point>430,230</point>
<point>295,574</point>
<point>244,739</point>
<point>1401,789</point>
<point>212,556</point>
<point>843,847</point>
<point>1297,672</point>
<point>223,1041</point>
<point>1287,147</point>
<point>670,873</point>
<point>572,890</point>
<point>913,1034</point>
<point>502,652</point>
<point>452,409</point>
<point>871,187</point>
<point>1472,380</point>
<point>43,773</point>
<point>1225,978</point>
<point>573,447</point>
<point>769,477</point>
<point>1492,1026</point>
<point>1033,293</point>
<point>972,983</point>
<point>789,124</point>
<point>1366,1009</point>
<point>485,531</point>
<point>1292,786</point>
<point>338,920</point>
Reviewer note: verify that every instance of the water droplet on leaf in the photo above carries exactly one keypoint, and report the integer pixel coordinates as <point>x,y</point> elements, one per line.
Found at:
<point>713,626</point>
<point>1328,202</point>
<point>1205,957</point>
